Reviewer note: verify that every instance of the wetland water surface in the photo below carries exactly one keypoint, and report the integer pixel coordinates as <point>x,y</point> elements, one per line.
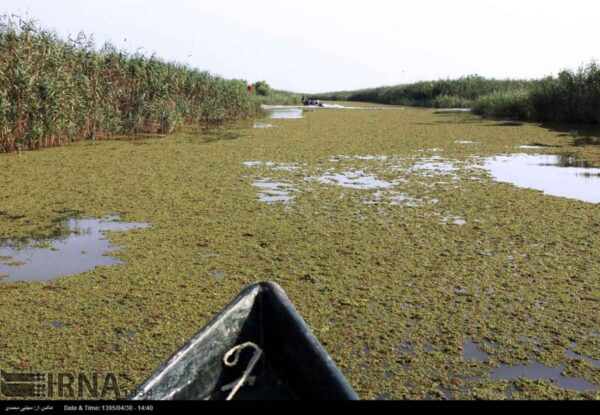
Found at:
<point>285,113</point>
<point>271,192</point>
<point>357,179</point>
<point>259,124</point>
<point>84,248</point>
<point>385,242</point>
<point>534,370</point>
<point>554,175</point>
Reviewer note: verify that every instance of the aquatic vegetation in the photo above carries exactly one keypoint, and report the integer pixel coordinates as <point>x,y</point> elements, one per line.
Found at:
<point>443,93</point>
<point>390,291</point>
<point>53,91</point>
<point>505,104</point>
<point>394,198</point>
<point>356,179</point>
<point>271,165</point>
<point>454,220</point>
<point>570,97</point>
<point>531,370</point>
<point>259,124</point>
<point>274,191</point>
<point>267,95</point>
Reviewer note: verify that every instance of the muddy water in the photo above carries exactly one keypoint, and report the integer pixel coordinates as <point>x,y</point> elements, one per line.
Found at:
<point>82,249</point>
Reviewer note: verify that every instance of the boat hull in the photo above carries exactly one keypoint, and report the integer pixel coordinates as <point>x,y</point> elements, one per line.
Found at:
<point>293,364</point>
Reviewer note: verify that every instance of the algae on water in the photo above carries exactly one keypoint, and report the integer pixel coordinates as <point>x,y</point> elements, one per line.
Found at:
<point>392,290</point>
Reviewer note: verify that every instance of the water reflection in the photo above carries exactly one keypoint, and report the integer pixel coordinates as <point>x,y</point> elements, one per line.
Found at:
<point>285,113</point>
<point>539,371</point>
<point>453,220</point>
<point>576,356</point>
<point>272,165</point>
<point>533,370</point>
<point>471,351</point>
<point>434,164</point>
<point>356,179</point>
<point>569,160</point>
<point>259,124</point>
<point>272,192</point>
<point>530,146</point>
<point>564,175</point>
<point>84,248</point>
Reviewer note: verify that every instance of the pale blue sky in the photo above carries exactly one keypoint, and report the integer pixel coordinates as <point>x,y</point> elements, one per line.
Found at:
<point>325,45</point>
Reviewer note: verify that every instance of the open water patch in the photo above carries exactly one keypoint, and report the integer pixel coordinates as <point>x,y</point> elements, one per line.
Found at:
<point>532,370</point>
<point>285,113</point>
<point>353,179</point>
<point>83,248</point>
<point>556,175</point>
<point>259,124</point>
<point>272,191</point>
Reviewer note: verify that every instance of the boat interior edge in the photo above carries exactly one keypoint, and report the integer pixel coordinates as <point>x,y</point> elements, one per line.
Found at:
<point>293,364</point>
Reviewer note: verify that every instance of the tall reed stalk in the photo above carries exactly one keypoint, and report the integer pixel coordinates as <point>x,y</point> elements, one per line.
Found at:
<point>54,91</point>
<point>460,92</point>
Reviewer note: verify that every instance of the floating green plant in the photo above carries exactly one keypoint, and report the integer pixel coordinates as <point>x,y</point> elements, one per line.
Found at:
<point>390,290</point>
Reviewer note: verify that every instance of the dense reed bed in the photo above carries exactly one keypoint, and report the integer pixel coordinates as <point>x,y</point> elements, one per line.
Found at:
<point>270,96</point>
<point>448,93</point>
<point>281,98</point>
<point>54,91</point>
<point>570,97</point>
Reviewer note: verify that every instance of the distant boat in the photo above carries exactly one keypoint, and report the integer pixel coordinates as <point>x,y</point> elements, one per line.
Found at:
<point>257,348</point>
<point>312,103</point>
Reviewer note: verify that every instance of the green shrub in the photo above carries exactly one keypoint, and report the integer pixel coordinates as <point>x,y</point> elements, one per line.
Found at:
<point>262,88</point>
